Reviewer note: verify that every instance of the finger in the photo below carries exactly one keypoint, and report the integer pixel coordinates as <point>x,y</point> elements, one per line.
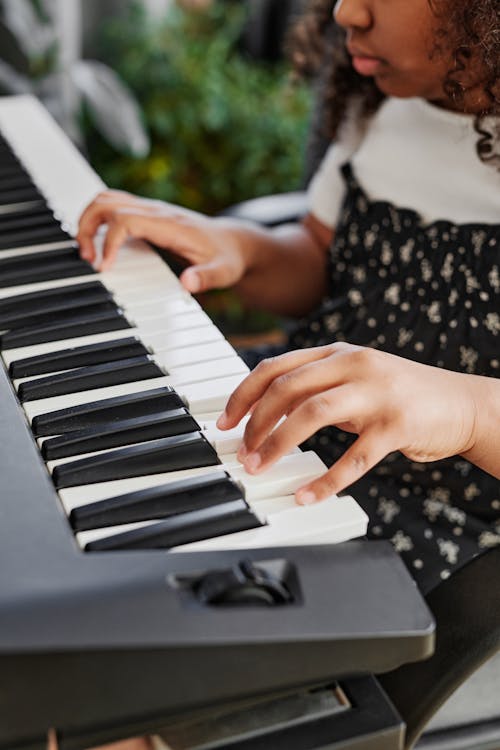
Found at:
<point>370,448</point>
<point>330,407</point>
<point>51,740</point>
<point>200,278</point>
<point>92,218</point>
<point>257,383</point>
<point>116,235</point>
<point>288,392</point>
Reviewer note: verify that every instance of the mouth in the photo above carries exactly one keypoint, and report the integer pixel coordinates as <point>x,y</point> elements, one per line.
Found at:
<point>365,64</point>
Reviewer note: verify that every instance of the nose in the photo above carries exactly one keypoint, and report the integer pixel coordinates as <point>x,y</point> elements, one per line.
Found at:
<point>353,14</point>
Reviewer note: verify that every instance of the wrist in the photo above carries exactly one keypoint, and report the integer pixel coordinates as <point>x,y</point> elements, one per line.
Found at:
<point>484,397</point>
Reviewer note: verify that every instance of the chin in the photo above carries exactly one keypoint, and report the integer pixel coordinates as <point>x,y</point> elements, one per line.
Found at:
<point>400,90</point>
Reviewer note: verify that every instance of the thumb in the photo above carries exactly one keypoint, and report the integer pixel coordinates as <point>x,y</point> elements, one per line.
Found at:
<point>213,275</point>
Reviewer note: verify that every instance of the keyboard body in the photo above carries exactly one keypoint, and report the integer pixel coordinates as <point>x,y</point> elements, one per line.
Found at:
<point>103,645</point>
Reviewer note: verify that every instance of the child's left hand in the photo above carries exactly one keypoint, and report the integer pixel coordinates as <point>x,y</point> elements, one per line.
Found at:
<point>390,402</point>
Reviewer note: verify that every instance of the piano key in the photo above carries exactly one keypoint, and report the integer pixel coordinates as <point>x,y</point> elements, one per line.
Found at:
<point>129,370</point>
<point>19,195</point>
<point>99,414</point>
<point>26,273</point>
<point>110,351</point>
<point>200,398</point>
<point>182,529</point>
<point>83,356</point>
<point>29,310</point>
<point>283,478</point>
<point>33,236</point>
<point>158,502</point>
<point>40,258</point>
<point>331,521</point>
<point>160,342</point>
<point>105,318</point>
<point>10,170</point>
<point>120,433</point>
<point>23,206</point>
<point>17,180</point>
<point>166,454</point>
<point>128,275</point>
<point>53,385</point>
<point>20,221</point>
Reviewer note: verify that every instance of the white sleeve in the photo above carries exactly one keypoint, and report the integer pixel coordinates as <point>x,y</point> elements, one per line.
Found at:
<point>326,190</point>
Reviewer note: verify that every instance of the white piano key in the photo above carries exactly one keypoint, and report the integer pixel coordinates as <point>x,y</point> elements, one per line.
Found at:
<point>171,359</point>
<point>192,319</point>
<point>162,306</point>
<point>224,441</point>
<point>202,398</point>
<point>210,371</point>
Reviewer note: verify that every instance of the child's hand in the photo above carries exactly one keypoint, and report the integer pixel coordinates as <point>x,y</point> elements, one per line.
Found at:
<point>390,402</point>
<point>208,245</point>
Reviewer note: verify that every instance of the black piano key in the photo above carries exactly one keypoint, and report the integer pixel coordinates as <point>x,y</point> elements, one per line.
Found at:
<point>11,169</point>
<point>156,503</point>
<point>10,163</point>
<point>87,378</point>
<point>218,520</point>
<point>18,180</point>
<point>39,257</point>
<point>120,433</point>
<point>109,318</point>
<point>11,222</point>
<point>19,195</point>
<point>51,309</point>
<point>33,301</point>
<point>188,451</point>
<point>33,236</point>
<point>18,275</point>
<point>99,413</point>
<point>24,208</point>
<point>80,356</point>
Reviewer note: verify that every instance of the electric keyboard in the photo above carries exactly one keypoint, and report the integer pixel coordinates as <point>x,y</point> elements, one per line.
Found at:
<point>112,466</point>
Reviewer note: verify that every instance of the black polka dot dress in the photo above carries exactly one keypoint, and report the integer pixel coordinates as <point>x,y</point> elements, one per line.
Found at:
<point>430,293</point>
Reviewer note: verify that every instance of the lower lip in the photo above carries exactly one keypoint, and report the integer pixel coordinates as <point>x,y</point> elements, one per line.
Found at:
<point>366,66</point>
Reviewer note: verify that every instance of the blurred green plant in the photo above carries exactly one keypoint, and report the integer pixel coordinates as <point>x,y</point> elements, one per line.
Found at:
<point>30,64</point>
<point>223,128</point>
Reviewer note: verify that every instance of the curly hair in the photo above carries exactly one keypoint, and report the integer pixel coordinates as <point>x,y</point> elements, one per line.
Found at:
<point>470,27</point>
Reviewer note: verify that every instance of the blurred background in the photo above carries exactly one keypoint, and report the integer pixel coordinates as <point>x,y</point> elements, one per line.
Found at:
<point>189,101</point>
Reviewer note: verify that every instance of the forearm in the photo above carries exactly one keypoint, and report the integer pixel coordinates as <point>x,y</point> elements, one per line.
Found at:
<point>485,449</point>
<point>286,268</point>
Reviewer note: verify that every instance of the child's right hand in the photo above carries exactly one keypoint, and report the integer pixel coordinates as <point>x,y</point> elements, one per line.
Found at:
<point>211,247</point>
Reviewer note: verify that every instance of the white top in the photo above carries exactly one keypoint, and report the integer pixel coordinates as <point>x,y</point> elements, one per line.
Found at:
<point>416,156</point>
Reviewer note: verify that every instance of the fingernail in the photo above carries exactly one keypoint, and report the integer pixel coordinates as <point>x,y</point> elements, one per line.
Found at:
<point>306,497</point>
<point>241,454</point>
<point>222,422</point>
<point>253,462</point>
